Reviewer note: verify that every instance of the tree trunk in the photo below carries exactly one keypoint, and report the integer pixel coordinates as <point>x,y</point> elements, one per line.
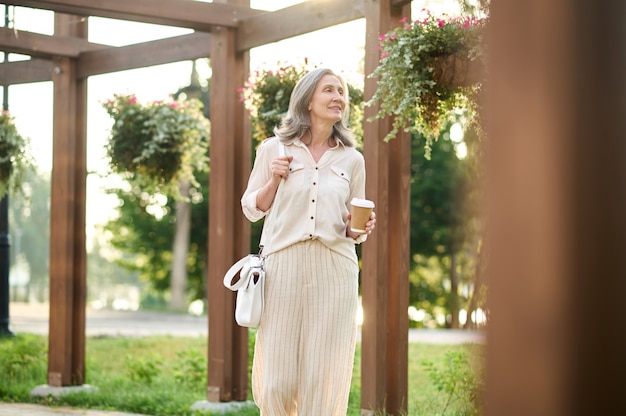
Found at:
<point>178,283</point>
<point>454,292</point>
<point>476,293</point>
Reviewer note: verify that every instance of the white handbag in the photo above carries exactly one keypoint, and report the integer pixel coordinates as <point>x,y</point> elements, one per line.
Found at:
<point>250,287</point>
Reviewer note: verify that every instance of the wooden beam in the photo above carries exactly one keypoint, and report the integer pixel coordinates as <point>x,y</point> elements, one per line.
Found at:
<point>182,13</point>
<point>556,198</point>
<point>24,72</point>
<point>38,45</point>
<point>229,231</point>
<point>296,20</point>
<point>141,55</point>
<point>384,356</point>
<point>66,340</point>
<point>94,59</point>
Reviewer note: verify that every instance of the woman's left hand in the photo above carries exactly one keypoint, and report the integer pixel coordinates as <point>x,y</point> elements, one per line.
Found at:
<point>369,226</point>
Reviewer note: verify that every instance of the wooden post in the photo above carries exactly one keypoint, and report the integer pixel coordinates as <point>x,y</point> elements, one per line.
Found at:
<point>556,203</point>
<point>66,351</point>
<point>385,288</point>
<point>229,231</point>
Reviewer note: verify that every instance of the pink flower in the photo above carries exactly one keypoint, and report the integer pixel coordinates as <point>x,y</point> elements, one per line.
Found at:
<point>403,20</point>
<point>383,55</point>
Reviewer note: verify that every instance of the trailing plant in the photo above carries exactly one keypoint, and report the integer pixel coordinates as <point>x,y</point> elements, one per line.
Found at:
<point>267,92</point>
<point>428,69</point>
<point>15,158</point>
<point>159,144</point>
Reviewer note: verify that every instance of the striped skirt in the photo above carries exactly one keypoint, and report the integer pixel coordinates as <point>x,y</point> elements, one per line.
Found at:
<point>304,350</point>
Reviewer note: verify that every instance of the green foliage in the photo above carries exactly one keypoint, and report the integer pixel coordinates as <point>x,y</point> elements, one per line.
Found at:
<point>190,368</point>
<point>164,395</point>
<point>144,230</point>
<point>446,222</point>
<point>267,92</point>
<point>15,160</point>
<point>159,144</point>
<point>436,203</point>
<point>23,356</point>
<point>475,6</point>
<point>409,87</point>
<point>143,369</point>
<point>459,383</point>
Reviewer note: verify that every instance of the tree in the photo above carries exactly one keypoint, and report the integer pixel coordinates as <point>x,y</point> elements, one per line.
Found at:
<point>144,232</point>
<point>180,246</point>
<point>443,231</point>
<point>169,258</point>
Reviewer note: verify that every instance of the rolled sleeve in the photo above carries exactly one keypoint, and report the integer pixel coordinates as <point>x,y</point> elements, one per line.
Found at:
<point>248,205</point>
<point>260,175</point>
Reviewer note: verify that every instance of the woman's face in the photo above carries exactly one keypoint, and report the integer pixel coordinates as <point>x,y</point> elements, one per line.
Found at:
<point>328,100</point>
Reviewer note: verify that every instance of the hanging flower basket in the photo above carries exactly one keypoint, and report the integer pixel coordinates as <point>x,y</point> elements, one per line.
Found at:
<point>15,159</point>
<point>428,69</point>
<point>157,144</point>
<point>456,71</point>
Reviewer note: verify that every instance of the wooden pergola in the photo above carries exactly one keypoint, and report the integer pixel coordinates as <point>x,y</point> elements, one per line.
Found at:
<point>224,31</point>
<point>556,191</point>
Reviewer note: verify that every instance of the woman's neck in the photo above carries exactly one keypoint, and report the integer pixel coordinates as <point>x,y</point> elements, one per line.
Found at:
<point>319,137</point>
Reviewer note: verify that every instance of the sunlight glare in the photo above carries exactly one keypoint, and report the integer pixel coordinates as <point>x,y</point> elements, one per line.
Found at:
<point>456,136</point>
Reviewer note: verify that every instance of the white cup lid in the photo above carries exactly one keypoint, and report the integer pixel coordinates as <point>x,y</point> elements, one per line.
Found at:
<point>365,203</point>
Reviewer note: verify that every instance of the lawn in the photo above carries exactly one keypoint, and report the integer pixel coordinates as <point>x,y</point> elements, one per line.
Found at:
<point>164,376</point>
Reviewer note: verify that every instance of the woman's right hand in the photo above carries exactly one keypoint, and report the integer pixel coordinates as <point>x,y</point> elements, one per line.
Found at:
<point>280,167</point>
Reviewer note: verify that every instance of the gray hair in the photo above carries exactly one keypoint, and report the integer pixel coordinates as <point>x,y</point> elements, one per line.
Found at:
<point>297,121</point>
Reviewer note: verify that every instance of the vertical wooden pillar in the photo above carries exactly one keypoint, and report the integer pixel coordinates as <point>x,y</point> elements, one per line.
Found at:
<point>556,208</point>
<point>229,232</point>
<point>385,290</point>
<point>66,351</point>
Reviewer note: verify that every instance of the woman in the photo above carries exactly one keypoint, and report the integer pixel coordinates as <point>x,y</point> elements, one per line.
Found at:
<point>305,343</point>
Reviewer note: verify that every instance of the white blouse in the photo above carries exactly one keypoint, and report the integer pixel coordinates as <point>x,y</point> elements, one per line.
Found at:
<point>313,201</point>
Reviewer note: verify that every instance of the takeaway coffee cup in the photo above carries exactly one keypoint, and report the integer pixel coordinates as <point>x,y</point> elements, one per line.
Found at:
<point>361,210</point>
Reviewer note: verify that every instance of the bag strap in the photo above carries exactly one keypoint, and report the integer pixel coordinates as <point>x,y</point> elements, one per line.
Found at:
<point>274,209</point>
<point>232,272</point>
<point>235,268</point>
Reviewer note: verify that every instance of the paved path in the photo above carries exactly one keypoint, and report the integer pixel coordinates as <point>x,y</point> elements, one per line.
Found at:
<point>33,318</point>
<point>18,409</point>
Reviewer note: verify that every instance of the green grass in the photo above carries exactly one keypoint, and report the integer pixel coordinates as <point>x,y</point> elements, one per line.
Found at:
<point>164,376</point>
